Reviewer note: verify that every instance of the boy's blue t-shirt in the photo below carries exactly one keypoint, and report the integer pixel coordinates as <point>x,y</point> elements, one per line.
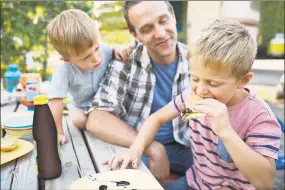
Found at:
<point>162,96</point>
<point>81,84</point>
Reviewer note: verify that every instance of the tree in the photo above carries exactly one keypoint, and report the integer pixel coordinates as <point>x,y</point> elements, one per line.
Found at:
<point>271,19</point>
<point>113,28</point>
<point>23,29</point>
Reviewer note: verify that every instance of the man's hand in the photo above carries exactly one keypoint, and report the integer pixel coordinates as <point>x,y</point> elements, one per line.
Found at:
<point>61,139</point>
<point>218,114</point>
<point>122,54</point>
<point>158,162</point>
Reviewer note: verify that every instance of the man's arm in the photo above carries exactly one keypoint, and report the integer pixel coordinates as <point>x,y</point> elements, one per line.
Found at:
<point>108,127</point>
<point>105,123</point>
<point>104,119</point>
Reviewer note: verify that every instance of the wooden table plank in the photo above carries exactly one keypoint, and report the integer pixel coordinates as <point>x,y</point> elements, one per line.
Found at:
<point>102,151</point>
<point>7,171</point>
<point>85,163</point>
<point>16,173</point>
<point>25,176</point>
<point>70,165</point>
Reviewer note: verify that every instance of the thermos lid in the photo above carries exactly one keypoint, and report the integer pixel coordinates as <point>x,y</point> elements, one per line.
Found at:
<point>12,67</point>
<point>40,99</point>
<point>65,100</point>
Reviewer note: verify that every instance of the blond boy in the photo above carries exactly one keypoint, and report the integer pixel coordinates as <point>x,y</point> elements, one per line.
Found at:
<point>236,143</point>
<point>76,38</point>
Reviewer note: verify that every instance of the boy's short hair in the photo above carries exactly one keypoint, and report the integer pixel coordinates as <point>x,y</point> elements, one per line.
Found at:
<point>72,31</point>
<point>226,44</point>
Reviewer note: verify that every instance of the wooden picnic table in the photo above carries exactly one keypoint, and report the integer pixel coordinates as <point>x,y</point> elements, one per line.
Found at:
<point>83,154</point>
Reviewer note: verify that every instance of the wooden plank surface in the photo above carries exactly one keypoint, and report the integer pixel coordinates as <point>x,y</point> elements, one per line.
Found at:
<point>102,151</point>
<point>86,166</point>
<point>70,166</point>
<point>10,171</point>
<point>25,175</point>
<point>19,173</point>
<point>7,173</point>
<point>7,169</point>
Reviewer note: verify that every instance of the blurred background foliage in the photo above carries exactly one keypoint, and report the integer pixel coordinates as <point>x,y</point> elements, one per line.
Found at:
<point>271,19</point>
<point>23,29</point>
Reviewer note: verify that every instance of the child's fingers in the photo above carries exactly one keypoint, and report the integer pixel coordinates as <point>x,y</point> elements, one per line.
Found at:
<point>105,162</point>
<point>64,140</point>
<point>125,164</point>
<point>202,108</point>
<point>108,161</point>
<point>135,163</point>
<point>115,163</point>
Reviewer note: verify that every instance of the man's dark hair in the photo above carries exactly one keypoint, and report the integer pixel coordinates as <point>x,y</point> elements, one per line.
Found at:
<point>130,4</point>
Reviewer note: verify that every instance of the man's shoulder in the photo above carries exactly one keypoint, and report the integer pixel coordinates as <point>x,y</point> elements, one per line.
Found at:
<point>182,45</point>
<point>118,66</point>
<point>183,49</point>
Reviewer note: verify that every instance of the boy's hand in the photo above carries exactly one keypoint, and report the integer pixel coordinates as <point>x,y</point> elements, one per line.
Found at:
<point>61,139</point>
<point>122,54</point>
<point>218,114</point>
<point>124,158</point>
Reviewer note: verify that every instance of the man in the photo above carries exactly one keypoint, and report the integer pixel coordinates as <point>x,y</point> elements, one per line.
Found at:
<point>157,70</point>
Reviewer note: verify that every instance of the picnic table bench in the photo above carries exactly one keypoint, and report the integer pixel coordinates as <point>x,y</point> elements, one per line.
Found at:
<point>82,155</point>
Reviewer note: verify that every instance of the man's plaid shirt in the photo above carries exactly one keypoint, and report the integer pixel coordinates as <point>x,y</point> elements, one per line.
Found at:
<point>127,90</point>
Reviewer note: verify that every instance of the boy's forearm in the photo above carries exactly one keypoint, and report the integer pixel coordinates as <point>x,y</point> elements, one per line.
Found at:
<point>152,125</point>
<point>146,134</point>
<point>56,107</point>
<point>255,167</point>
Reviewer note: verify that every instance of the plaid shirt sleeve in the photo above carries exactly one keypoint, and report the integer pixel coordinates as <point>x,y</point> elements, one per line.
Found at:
<point>110,94</point>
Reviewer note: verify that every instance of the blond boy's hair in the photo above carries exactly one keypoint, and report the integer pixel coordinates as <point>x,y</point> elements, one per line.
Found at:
<point>226,44</point>
<point>72,32</point>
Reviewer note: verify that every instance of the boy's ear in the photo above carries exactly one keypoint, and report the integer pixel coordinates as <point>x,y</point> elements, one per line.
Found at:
<point>245,79</point>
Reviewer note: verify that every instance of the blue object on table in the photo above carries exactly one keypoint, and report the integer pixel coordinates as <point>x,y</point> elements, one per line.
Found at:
<point>49,78</point>
<point>280,161</point>
<point>11,77</point>
<point>281,124</point>
<point>31,109</point>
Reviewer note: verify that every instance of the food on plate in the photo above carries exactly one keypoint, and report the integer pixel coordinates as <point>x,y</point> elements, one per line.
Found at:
<point>8,144</point>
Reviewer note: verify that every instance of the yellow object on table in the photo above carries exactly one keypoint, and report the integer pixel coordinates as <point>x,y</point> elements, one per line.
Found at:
<point>22,148</point>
